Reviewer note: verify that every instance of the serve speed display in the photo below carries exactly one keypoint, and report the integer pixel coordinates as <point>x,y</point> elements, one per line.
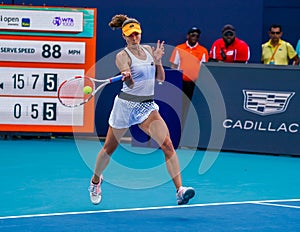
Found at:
<point>40,47</point>
<point>42,51</point>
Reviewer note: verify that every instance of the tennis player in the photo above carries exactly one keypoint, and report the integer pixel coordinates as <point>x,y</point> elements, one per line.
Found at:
<point>140,66</point>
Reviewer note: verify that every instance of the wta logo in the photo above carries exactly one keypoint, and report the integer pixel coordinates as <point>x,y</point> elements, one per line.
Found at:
<point>66,22</point>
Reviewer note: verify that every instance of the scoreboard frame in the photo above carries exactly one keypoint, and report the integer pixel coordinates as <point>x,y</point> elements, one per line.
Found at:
<point>43,40</point>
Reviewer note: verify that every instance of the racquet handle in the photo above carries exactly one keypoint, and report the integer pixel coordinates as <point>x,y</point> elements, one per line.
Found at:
<point>116,78</point>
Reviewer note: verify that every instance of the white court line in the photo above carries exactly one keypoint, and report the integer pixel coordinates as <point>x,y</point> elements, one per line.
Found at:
<point>277,205</point>
<point>147,208</point>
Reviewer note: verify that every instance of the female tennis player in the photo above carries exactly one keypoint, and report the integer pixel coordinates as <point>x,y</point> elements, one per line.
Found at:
<point>140,65</point>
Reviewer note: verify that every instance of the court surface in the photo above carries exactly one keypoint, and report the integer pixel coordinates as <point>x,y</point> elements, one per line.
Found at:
<point>44,188</point>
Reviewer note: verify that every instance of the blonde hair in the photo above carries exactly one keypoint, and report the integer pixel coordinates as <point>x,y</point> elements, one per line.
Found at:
<point>120,20</point>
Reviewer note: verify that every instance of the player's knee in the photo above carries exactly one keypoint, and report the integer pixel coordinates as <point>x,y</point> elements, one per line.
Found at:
<point>167,145</point>
<point>109,150</point>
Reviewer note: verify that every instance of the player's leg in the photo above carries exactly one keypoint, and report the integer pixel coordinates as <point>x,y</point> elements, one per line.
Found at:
<point>156,127</point>
<point>111,142</point>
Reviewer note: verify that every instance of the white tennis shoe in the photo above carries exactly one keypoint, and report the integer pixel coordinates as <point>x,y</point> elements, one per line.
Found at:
<point>96,192</point>
<point>184,194</point>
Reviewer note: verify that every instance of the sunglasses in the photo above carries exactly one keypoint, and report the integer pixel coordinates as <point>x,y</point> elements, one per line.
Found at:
<point>275,32</point>
<point>229,33</point>
<point>194,35</point>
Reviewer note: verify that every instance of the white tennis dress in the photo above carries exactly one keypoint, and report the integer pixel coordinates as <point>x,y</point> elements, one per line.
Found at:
<point>133,106</point>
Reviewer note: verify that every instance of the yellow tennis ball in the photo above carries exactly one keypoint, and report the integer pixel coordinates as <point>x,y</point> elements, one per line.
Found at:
<point>87,89</point>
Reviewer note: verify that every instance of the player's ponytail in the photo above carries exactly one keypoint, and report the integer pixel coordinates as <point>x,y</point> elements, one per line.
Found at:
<point>117,21</point>
<point>120,20</point>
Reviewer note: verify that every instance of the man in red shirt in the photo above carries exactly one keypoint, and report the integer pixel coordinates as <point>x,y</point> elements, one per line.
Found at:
<point>188,57</point>
<point>229,48</point>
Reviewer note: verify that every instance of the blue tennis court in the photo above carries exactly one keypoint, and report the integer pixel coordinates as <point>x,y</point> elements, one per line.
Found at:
<point>44,188</point>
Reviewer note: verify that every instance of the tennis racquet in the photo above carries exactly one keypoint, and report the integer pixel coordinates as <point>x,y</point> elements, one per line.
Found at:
<point>71,92</point>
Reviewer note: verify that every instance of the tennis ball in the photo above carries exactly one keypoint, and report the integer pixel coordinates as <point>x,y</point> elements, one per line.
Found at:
<point>87,89</point>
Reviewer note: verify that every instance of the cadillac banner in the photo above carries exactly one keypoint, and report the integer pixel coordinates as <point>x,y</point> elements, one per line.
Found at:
<point>246,108</point>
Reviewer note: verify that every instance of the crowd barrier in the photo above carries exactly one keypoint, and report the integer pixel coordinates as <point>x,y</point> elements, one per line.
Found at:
<point>245,108</point>
<point>252,108</point>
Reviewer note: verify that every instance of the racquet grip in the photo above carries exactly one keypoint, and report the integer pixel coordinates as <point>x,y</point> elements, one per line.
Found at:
<point>116,78</point>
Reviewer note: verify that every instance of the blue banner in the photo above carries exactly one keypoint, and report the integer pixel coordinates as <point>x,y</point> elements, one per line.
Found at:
<point>246,108</point>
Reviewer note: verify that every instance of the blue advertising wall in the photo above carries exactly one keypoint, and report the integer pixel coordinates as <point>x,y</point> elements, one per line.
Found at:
<point>286,13</point>
<point>251,108</point>
<point>169,21</point>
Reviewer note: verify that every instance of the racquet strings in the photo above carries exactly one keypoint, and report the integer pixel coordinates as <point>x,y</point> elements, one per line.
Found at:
<point>71,91</point>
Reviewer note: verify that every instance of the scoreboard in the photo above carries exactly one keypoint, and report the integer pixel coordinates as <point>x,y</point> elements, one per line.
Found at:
<point>40,47</point>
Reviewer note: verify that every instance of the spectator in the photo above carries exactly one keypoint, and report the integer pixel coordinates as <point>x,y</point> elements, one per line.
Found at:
<point>188,57</point>
<point>229,48</point>
<point>277,51</point>
<point>298,49</point>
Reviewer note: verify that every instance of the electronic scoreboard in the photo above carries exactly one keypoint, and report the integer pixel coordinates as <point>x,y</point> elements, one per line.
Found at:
<point>40,47</point>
